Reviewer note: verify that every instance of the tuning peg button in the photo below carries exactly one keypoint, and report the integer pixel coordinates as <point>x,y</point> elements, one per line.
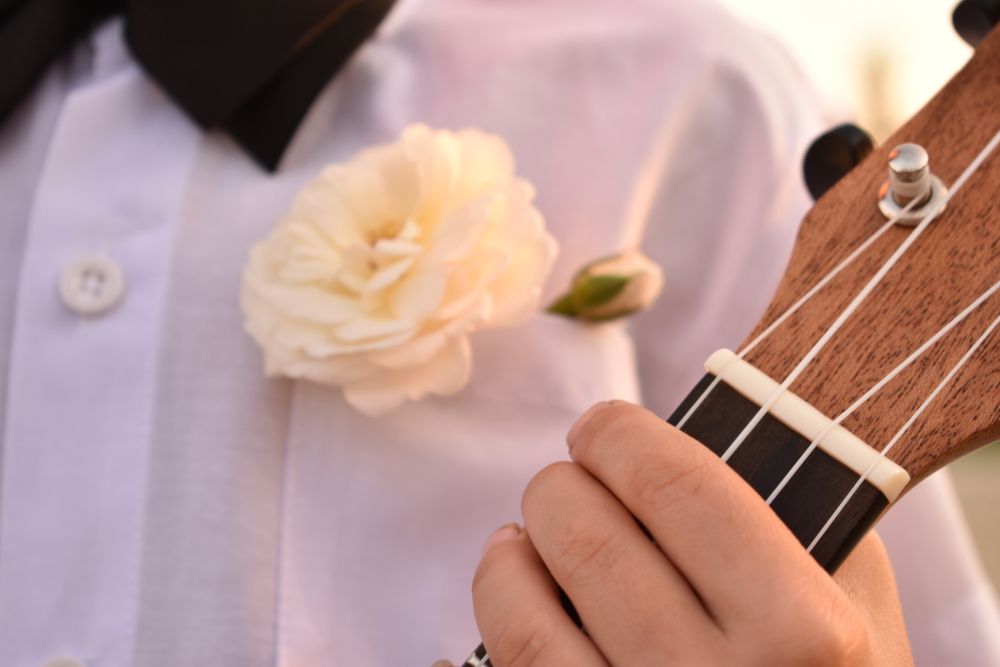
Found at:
<point>910,174</point>
<point>973,19</point>
<point>910,178</point>
<point>832,155</point>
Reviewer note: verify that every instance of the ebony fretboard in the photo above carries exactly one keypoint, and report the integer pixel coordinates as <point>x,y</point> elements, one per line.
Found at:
<point>768,453</point>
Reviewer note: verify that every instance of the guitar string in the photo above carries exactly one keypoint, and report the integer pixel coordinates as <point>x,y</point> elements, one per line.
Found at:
<point>868,288</point>
<point>791,311</point>
<point>884,381</point>
<point>900,433</point>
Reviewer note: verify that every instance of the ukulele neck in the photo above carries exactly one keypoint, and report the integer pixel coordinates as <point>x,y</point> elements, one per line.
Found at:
<point>816,490</point>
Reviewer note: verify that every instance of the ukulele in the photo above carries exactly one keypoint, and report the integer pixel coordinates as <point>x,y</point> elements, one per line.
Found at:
<point>878,359</point>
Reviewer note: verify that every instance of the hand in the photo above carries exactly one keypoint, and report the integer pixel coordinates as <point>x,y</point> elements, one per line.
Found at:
<point>725,583</point>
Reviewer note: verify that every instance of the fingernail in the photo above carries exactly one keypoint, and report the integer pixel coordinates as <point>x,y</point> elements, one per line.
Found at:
<point>443,663</point>
<point>502,534</point>
<point>574,430</point>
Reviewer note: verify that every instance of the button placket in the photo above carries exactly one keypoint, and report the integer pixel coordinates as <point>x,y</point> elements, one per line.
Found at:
<point>81,398</point>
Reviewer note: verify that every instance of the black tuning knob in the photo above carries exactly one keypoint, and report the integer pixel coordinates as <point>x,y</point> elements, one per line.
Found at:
<point>973,19</point>
<point>832,155</point>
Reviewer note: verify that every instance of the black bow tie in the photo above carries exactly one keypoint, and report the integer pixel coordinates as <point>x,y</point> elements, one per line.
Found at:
<point>252,67</point>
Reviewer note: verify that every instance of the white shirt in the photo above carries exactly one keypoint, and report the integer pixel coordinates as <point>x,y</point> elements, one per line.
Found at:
<point>163,504</point>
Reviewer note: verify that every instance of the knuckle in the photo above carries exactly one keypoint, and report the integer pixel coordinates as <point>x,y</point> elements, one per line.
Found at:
<point>584,554</point>
<point>661,482</point>
<point>818,635</point>
<point>608,425</point>
<point>619,439</point>
<point>577,547</point>
<point>823,646</point>
<point>524,642</point>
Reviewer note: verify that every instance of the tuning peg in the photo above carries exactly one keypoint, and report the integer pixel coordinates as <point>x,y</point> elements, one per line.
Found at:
<point>973,19</point>
<point>833,154</point>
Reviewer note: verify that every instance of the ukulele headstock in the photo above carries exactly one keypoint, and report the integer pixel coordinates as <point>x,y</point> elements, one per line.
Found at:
<point>953,263</point>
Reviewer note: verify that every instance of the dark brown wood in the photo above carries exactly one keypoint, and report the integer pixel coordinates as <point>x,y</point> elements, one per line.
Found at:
<point>953,263</point>
<point>769,452</point>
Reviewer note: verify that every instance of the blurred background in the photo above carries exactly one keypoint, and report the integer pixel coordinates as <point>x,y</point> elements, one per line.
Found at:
<point>885,59</point>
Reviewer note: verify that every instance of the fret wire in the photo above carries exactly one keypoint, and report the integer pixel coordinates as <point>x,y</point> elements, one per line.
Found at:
<point>903,430</point>
<point>884,381</point>
<point>868,288</point>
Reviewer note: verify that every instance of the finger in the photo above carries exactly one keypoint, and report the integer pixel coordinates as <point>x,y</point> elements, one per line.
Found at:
<point>635,605</point>
<point>713,527</point>
<point>867,580</point>
<point>520,617</point>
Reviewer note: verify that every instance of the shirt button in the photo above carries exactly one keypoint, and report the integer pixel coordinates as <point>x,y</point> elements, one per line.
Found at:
<point>92,285</point>
<point>62,662</point>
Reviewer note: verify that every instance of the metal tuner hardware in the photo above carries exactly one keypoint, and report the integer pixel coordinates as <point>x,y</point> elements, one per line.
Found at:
<point>910,178</point>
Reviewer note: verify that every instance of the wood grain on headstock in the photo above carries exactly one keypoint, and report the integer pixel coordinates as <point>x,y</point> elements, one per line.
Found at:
<point>953,263</point>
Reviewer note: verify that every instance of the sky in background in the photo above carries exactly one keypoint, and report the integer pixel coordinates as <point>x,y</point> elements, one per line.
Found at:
<point>885,58</point>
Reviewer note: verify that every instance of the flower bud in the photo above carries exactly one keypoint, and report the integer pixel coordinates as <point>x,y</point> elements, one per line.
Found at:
<point>612,287</point>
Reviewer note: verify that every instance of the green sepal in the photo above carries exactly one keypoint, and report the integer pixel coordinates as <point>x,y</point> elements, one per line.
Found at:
<point>589,292</point>
<point>564,306</point>
<point>595,291</point>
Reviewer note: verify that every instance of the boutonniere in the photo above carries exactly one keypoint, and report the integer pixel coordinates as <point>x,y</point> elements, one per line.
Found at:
<point>384,265</point>
<point>611,288</point>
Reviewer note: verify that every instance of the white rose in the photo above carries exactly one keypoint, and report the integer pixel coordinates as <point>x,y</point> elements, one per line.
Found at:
<point>382,267</point>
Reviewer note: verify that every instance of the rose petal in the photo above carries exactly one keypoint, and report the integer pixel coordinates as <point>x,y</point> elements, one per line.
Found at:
<point>517,290</point>
<point>418,296</point>
<point>261,318</point>
<point>447,373</point>
<point>313,304</point>
<point>298,335</point>
<point>361,191</point>
<point>411,353</point>
<point>477,313</point>
<point>338,370</point>
<point>322,349</point>
<point>487,164</point>
<point>372,302</point>
<point>436,167</point>
<point>410,232</point>
<point>443,375</point>
<point>517,222</point>
<point>369,327</point>
<point>388,275</point>
<point>479,270</point>
<point>352,281</point>
<point>484,265</point>
<point>272,328</point>
<point>356,267</point>
<point>318,204</point>
<point>459,235</point>
<point>397,248</point>
<point>401,184</point>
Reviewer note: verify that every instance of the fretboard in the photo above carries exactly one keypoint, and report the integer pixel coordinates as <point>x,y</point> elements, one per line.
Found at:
<point>813,493</point>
